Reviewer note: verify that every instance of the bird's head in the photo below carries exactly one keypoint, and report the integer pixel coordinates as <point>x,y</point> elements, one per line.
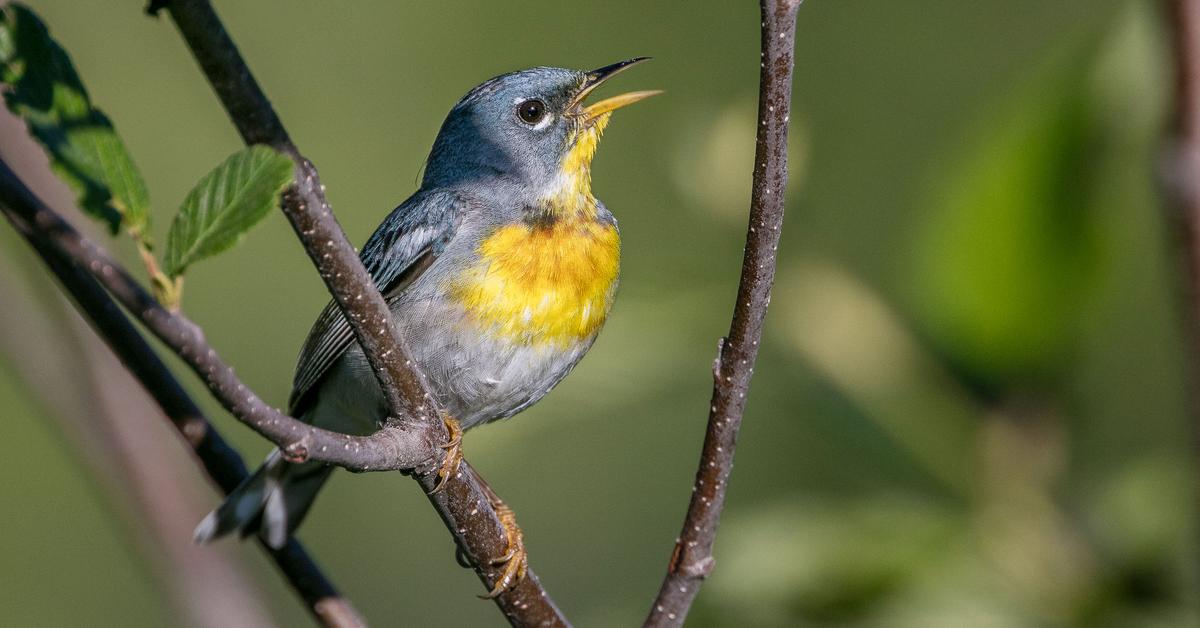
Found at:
<point>532,128</point>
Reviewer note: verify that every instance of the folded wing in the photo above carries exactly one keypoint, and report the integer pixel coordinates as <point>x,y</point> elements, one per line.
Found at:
<point>395,255</point>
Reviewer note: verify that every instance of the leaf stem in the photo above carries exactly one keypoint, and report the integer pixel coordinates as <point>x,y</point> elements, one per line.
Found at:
<point>166,290</point>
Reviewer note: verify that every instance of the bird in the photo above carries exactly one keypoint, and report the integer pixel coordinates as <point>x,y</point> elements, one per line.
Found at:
<point>499,272</point>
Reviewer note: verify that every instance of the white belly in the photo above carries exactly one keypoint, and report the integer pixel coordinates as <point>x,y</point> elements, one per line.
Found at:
<point>476,377</point>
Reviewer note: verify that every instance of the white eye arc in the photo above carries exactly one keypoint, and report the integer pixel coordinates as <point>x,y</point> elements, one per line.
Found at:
<point>533,112</point>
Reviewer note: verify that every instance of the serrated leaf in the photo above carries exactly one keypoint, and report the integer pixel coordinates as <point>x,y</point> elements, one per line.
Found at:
<point>84,148</point>
<point>225,204</point>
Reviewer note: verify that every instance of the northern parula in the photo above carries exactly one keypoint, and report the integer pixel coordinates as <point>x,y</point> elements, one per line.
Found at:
<point>499,272</point>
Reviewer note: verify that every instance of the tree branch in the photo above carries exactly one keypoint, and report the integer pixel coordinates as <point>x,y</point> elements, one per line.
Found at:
<point>307,209</point>
<point>463,504</point>
<point>220,461</point>
<point>389,449</point>
<point>692,559</point>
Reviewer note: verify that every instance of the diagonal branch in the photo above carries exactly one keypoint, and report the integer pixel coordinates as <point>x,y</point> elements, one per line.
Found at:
<point>222,464</point>
<point>390,448</point>
<point>463,504</point>
<point>307,209</point>
<point>692,559</point>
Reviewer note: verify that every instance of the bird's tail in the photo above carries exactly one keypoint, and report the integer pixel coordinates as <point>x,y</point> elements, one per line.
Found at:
<point>271,502</point>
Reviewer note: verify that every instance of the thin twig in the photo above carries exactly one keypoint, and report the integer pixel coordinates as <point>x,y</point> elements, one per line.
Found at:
<point>156,485</point>
<point>463,504</point>
<point>308,210</point>
<point>220,461</point>
<point>391,448</point>
<point>692,559</point>
<point>110,421</point>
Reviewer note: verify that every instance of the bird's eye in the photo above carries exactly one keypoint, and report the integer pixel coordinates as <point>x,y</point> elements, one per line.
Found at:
<point>531,111</point>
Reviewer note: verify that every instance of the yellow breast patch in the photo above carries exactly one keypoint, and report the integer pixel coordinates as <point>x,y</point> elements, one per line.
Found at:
<point>548,283</point>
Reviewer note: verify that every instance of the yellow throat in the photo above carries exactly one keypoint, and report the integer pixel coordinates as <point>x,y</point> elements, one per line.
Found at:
<point>571,191</point>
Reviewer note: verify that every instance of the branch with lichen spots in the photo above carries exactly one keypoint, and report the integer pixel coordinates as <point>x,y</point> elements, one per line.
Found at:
<point>692,558</point>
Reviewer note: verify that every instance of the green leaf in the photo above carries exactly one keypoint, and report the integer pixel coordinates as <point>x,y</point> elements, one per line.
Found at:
<point>225,204</point>
<point>85,150</point>
<point>1011,246</point>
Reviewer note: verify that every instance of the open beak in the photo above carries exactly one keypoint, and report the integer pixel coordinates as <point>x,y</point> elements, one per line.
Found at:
<point>597,77</point>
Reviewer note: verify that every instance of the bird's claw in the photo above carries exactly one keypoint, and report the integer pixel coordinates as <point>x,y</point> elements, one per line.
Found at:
<point>453,455</point>
<point>515,560</point>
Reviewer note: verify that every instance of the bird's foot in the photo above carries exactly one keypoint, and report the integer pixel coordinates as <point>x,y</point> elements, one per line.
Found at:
<point>453,455</point>
<point>515,560</point>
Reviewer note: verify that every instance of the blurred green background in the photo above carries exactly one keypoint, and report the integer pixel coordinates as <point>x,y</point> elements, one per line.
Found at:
<point>971,406</point>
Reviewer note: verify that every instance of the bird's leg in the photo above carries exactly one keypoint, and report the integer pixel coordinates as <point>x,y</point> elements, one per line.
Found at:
<point>514,559</point>
<point>453,455</point>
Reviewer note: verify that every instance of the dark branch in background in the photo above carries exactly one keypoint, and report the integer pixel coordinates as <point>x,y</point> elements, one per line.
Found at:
<point>463,504</point>
<point>219,460</point>
<point>692,559</point>
<point>1181,174</point>
<point>408,441</point>
<point>387,449</point>
<point>113,427</point>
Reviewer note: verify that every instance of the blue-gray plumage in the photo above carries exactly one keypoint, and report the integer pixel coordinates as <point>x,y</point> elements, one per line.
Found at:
<point>499,272</point>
